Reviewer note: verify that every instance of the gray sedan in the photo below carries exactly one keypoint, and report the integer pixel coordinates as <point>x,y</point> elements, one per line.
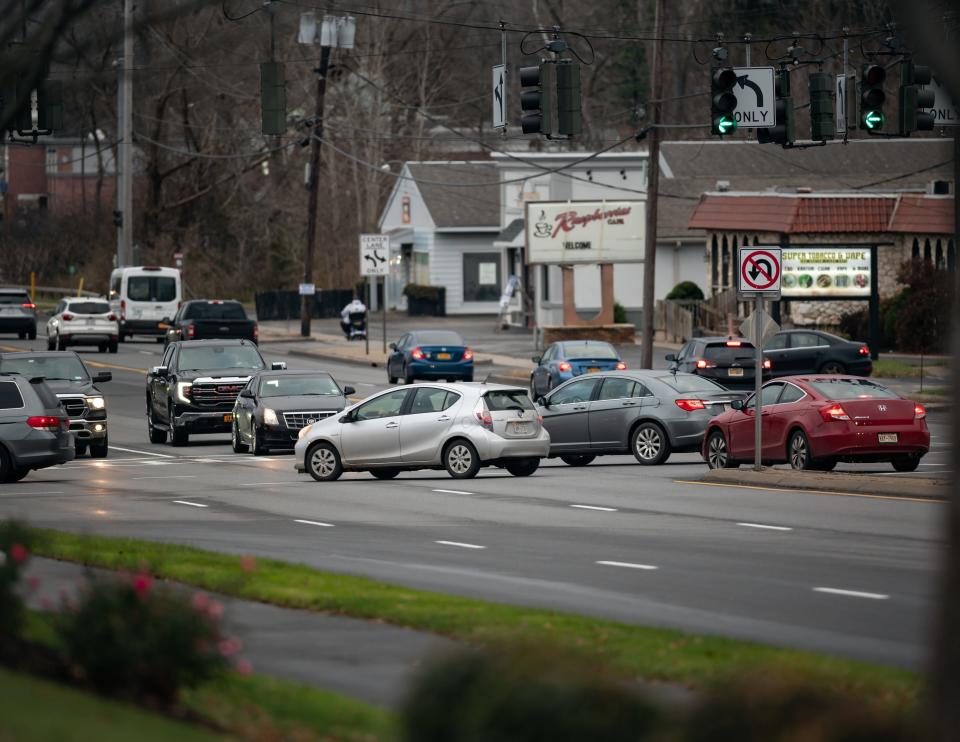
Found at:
<point>647,413</point>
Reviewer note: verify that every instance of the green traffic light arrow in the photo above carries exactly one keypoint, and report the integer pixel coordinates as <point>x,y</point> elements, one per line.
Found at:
<point>873,119</point>
<point>725,125</point>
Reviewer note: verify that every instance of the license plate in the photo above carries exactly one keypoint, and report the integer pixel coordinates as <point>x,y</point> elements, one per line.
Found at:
<point>887,437</point>
<point>593,369</point>
<point>735,372</point>
<point>9,310</point>
<point>89,322</point>
<point>521,428</point>
<point>443,356</point>
<point>228,418</point>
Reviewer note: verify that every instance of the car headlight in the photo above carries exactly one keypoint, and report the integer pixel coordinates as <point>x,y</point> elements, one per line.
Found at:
<point>96,403</point>
<point>270,417</point>
<point>303,432</point>
<point>183,391</point>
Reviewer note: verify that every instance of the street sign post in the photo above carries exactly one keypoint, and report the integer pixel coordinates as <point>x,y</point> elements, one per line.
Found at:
<point>375,261</point>
<point>945,111</point>
<point>759,278</point>
<point>756,97</point>
<point>499,96</point>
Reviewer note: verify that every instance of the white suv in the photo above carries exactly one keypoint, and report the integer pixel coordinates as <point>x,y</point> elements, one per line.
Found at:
<point>83,322</point>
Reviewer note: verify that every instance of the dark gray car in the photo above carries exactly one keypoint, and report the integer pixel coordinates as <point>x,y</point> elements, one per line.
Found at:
<point>33,427</point>
<point>650,414</point>
<point>275,405</point>
<point>18,313</point>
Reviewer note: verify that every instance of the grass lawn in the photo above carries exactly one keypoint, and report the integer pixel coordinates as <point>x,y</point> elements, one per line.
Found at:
<point>937,391</point>
<point>890,368</point>
<point>636,651</point>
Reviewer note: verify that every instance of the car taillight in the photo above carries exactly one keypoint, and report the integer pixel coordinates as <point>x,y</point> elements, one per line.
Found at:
<point>468,355</point>
<point>919,411</point>
<point>621,366</point>
<point>864,350</point>
<point>44,422</point>
<point>564,366</point>
<point>833,412</point>
<point>417,354</point>
<point>112,317</point>
<point>123,309</point>
<point>690,405</point>
<point>256,332</point>
<point>704,363</point>
<point>67,317</point>
<point>191,331</point>
<point>734,343</point>
<point>28,305</point>
<point>482,413</point>
<point>766,364</point>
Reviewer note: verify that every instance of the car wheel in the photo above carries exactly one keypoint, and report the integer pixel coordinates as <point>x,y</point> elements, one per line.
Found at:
<point>80,447</point>
<point>391,379</point>
<point>178,436</point>
<point>102,348</point>
<point>580,460</point>
<point>155,434</point>
<point>161,339</point>
<point>533,389</point>
<point>256,438</point>
<point>323,462</point>
<point>718,456</point>
<point>523,467</point>
<point>461,459</point>
<point>468,378</point>
<point>798,451</point>
<point>385,473</point>
<point>100,449</point>
<point>51,343</point>
<point>61,345</point>
<point>15,475</point>
<point>408,377</point>
<point>112,347</point>
<point>906,463</point>
<point>22,335</point>
<point>6,465</point>
<point>650,444</point>
<point>833,367</point>
<point>32,335</point>
<point>238,445</point>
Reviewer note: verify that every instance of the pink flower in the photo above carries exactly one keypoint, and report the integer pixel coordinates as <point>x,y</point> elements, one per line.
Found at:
<point>201,602</point>
<point>215,609</point>
<point>19,553</point>
<point>248,563</point>
<point>142,584</point>
<point>244,668</point>
<point>33,582</point>
<point>230,646</point>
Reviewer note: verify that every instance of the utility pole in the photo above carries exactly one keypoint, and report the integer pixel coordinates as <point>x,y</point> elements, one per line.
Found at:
<point>124,165</point>
<point>653,186</point>
<point>313,184</point>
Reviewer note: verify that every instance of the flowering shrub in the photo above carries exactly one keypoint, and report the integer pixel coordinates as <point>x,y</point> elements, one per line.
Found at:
<point>132,637</point>
<point>14,555</point>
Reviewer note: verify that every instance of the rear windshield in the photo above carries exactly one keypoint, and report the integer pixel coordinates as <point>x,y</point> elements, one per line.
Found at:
<point>89,307</point>
<point>10,398</point>
<point>514,399</point>
<point>852,389</point>
<point>15,298</point>
<point>65,367</point>
<point>690,383</point>
<point>439,337</point>
<point>214,358</point>
<point>49,399</point>
<point>723,353</point>
<point>589,350</point>
<point>292,386</point>
<point>205,310</point>
<point>152,288</point>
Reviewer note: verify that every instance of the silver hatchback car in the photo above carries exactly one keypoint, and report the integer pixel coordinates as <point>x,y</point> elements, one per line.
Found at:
<point>457,427</point>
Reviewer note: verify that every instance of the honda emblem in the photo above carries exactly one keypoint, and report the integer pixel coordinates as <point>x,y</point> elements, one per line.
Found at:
<point>882,407</point>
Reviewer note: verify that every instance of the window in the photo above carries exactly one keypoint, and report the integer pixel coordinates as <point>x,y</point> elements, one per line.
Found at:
<point>614,388</point>
<point>588,350</point>
<point>806,340</point>
<point>62,367</point>
<point>152,288</point>
<point>432,400</point>
<point>791,393</point>
<point>777,342</point>
<point>115,286</point>
<point>508,400</point>
<point>686,383</point>
<point>838,389</point>
<point>387,405</point>
<point>167,357</point>
<point>481,276</point>
<point>437,337</point>
<point>321,385</point>
<point>209,310</point>
<point>14,297</point>
<point>768,396</point>
<point>89,307</point>
<point>545,283</point>
<point>402,344</point>
<point>549,355</point>
<point>723,354</point>
<point>10,397</point>
<point>217,358</point>
<point>574,392</point>
<point>685,351</point>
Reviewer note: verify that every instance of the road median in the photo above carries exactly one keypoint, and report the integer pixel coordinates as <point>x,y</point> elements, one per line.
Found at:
<point>844,483</point>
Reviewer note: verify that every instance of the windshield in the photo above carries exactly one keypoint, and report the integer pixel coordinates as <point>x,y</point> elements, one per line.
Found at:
<point>514,399</point>
<point>214,358</point>
<point>206,310</point>
<point>88,307</point>
<point>292,386</point>
<point>65,367</point>
<point>590,350</point>
<point>723,353</point>
<point>152,288</point>
<point>15,298</point>
<point>685,383</point>
<point>440,337</point>
<point>852,389</point>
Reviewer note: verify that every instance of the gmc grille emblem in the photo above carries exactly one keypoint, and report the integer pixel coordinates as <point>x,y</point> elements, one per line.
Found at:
<point>227,389</point>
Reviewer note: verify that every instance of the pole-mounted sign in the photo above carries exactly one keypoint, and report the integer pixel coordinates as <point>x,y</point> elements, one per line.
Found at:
<point>499,96</point>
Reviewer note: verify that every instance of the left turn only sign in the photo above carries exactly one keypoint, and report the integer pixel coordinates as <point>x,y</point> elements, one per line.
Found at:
<point>760,270</point>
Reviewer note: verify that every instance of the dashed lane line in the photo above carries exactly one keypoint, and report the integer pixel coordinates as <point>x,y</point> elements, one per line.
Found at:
<point>851,593</point>
<point>313,523</point>
<point>628,565</point>
<point>191,504</point>
<point>460,544</point>
<point>821,493</point>
<point>144,453</point>
<point>452,492</point>
<point>595,507</point>
<point>169,476</point>
<point>764,526</point>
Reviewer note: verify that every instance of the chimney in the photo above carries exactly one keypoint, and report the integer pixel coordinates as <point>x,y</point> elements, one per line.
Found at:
<point>723,186</point>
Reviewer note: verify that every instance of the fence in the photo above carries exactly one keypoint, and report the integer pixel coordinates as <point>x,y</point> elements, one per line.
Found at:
<point>286,304</point>
<point>677,320</point>
<point>672,321</point>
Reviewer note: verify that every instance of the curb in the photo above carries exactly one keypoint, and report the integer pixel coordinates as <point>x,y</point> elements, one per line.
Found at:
<point>511,378</point>
<point>844,483</point>
<point>329,355</point>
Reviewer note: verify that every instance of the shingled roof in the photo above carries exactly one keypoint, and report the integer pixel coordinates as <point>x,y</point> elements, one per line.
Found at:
<point>459,194</point>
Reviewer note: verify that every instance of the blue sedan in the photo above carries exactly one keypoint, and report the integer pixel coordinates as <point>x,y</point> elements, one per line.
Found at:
<point>430,354</point>
<point>564,360</point>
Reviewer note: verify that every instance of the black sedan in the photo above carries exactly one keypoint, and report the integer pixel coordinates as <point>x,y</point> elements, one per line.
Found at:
<point>275,405</point>
<point>793,352</point>
<point>730,361</point>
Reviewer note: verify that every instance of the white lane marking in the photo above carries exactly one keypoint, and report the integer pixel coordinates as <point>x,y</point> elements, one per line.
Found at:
<point>761,525</point>
<point>452,492</point>
<point>191,504</point>
<point>461,545</point>
<point>31,492</point>
<point>145,353</point>
<point>628,564</point>
<point>595,507</point>
<point>312,523</point>
<point>266,484</point>
<point>850,593</point>
<point>145,453</point>
<point>364,383</point>
<point>171,476</point>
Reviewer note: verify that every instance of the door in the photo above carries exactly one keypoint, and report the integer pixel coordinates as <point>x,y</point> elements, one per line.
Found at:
<point>566,417</point>
<point>425,424</point>
<point>777,351</point>
<point>395,360</point>
<point>742,427</point>
<point>541,374</point>
<point>613,411</point>
<point>244,410</point>
<point>374,435</point>
<point>160,387</point>
<point>777,423</point>
<point>805,353</point>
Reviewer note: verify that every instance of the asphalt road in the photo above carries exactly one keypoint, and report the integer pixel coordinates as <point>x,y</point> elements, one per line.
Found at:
<point>853,576</point>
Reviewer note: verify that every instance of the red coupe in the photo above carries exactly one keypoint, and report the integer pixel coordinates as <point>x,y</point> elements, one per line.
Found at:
<point>812,422</point>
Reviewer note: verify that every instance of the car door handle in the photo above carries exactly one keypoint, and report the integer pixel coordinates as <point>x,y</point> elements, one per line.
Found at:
<point>628,404</point>
<point>390,426</point>
<point>580,407</point>
<point>443,418</point>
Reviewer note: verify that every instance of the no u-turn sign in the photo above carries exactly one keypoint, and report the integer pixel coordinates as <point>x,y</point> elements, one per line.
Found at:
<point>760,271</point>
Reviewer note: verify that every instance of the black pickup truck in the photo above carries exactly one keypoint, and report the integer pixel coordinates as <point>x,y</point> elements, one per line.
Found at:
<point>194,388</point>
<point>211,319</point>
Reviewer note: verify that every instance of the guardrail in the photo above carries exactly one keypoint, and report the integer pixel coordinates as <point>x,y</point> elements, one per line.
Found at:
<point>51,290</point>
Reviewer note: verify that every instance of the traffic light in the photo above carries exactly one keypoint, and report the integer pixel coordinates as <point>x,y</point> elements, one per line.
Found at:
<point>872,96</point>
<point>539,101</point>
<point>118,218</point>
<point>784,129</point>
<point>723,101</point>
<point>273,98</point>
<point>912,98</point>
<point>822,122</point>
<point>50,105</point>
<point>569,120</point>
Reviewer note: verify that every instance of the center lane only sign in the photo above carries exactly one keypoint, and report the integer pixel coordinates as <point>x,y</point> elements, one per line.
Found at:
<point>760,269</point>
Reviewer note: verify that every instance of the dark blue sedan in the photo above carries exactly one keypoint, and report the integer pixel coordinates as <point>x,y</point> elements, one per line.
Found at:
<point>564,360</point>
<point>430,354</point>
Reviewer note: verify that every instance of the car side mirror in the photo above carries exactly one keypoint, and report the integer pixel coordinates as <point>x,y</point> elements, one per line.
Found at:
<point>247,394</point>
<point>536,359</point>
<point>347,418</point>
<point>543,401</point>
<point>158,371</point>
<point>393,346</point>
<point>103,376</point>
<point>278,366</point>
<point>736,404</point>
<point>348,390</point>
<point>670,357</point>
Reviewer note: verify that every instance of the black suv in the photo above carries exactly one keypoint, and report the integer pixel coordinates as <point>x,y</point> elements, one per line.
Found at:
<point>729,361</point>
<point>194,388</point>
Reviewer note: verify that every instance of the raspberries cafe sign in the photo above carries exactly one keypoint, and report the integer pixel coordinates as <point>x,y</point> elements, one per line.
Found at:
<point>561,232</point>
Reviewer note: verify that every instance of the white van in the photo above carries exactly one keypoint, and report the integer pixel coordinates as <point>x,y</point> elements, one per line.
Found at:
<point>143,297</point>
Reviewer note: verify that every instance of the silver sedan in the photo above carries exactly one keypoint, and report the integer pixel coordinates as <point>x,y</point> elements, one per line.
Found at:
<point>647,413</point>
<point>457,427</point>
